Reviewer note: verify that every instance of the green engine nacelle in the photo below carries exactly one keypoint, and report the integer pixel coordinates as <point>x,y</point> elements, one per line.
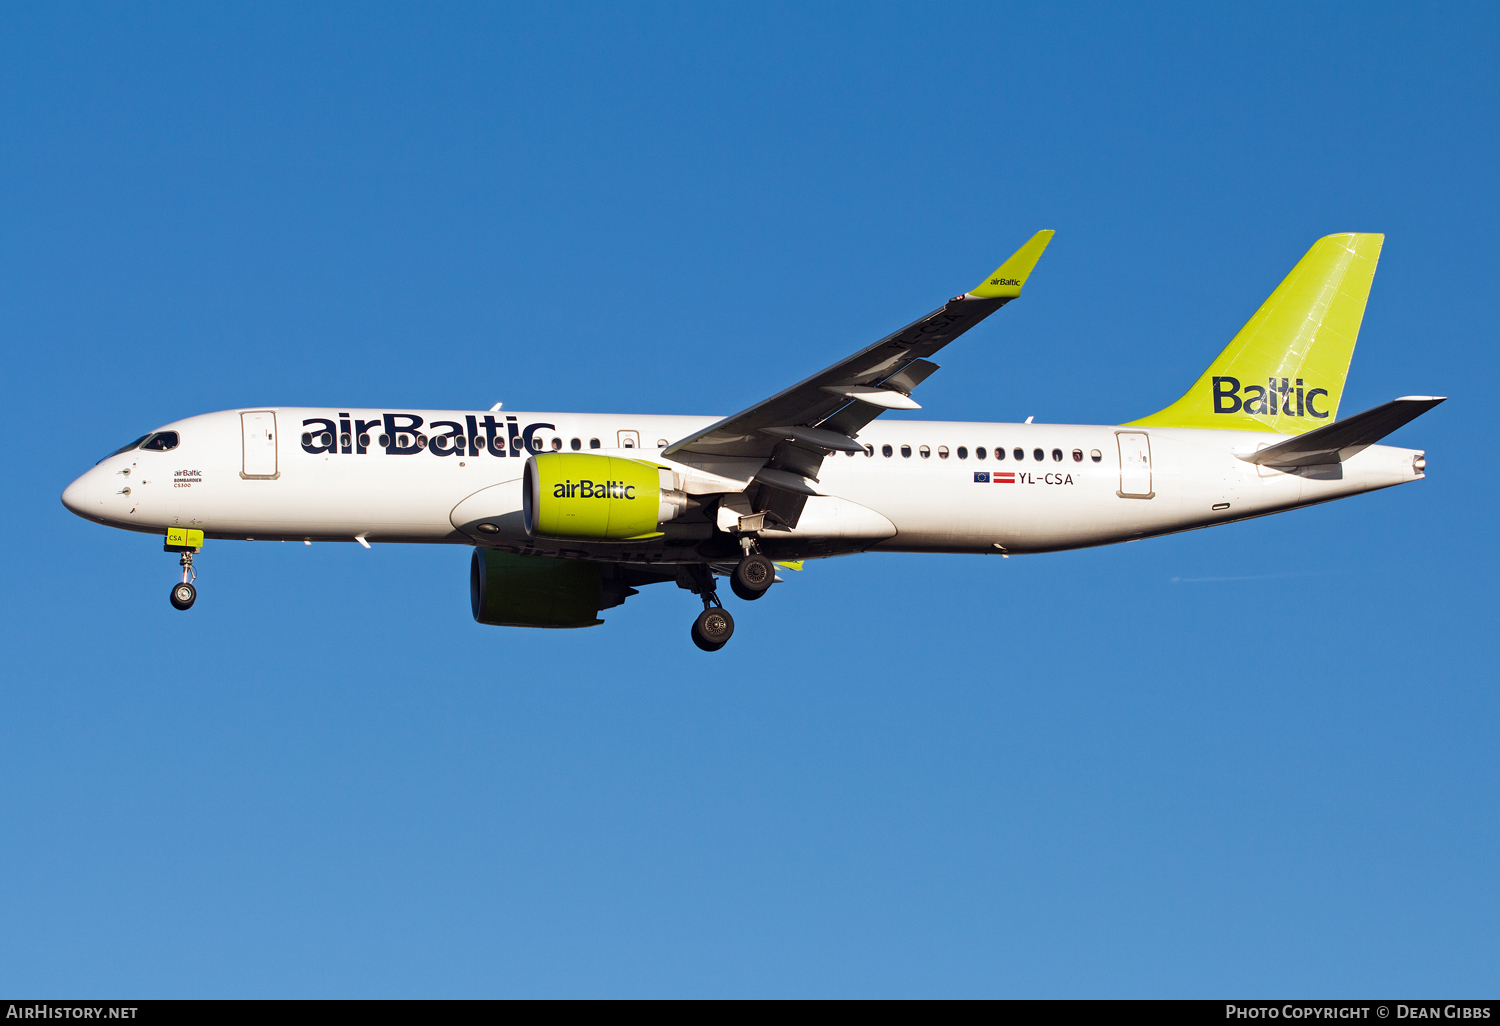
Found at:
<point>508,590</point>
<point>597,498</point>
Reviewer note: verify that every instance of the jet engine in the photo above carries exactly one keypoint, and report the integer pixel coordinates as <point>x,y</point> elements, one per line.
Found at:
<point>508,590</point>
<point>511,590</point>
<point>598,498</point>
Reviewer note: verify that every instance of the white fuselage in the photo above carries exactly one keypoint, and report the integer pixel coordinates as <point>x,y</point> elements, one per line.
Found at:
<point>231,485</point>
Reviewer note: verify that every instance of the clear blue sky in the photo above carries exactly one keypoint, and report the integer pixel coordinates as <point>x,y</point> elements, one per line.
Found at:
<point>1255,760</point>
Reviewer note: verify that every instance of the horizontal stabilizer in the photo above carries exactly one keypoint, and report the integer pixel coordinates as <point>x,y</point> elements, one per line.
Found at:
<point>1342,439</point>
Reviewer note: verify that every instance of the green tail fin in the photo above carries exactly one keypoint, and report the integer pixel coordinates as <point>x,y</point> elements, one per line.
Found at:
<point>1286,368</point>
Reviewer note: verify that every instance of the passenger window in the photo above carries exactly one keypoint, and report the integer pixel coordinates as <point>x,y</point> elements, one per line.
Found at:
<point>1056,455</point>
<point>924,452</point>
<point>364,440</point>
<point>1095,455</point>
<point>163,441</point>
<point>885,450</point>
<point>1077,455</point>
<point>576,444</point>
<point>979,453</point>
<point>906,452</point>
<point>1019,454</point>
<point>593,443</point>
<point>384,440</point>
<point>999,453</point>
<point>661,443</point>
<point>1038,455</point>
<point>870,450</point>
<point>556,444</point>
<point>344,440</point>
<point>942,452</point>
<point>963,452</point>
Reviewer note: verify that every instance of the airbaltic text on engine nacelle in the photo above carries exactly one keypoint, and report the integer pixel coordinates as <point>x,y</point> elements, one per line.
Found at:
<point>581,495</point>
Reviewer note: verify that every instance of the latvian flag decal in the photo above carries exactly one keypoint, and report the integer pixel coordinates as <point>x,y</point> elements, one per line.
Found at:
<point>1006,478</point>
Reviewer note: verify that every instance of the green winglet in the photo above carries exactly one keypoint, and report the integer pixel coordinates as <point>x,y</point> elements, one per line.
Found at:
<point>790,564</point>
<point>1008,278</point>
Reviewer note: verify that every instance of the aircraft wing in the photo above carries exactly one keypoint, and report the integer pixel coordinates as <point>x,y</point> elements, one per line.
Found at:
<point>822,413</point>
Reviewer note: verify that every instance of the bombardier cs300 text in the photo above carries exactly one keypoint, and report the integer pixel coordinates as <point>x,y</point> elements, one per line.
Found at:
<point>570,513</point>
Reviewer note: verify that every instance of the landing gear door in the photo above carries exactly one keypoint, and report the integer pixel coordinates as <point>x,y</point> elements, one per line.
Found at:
<point>1135,465</point>
<point>258,433</point>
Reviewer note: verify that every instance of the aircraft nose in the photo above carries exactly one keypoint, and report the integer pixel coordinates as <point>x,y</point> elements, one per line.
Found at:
<point>76,495</point>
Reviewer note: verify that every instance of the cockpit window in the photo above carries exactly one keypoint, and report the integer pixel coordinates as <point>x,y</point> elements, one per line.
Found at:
<point>162,441</point>
<point>127,448</point>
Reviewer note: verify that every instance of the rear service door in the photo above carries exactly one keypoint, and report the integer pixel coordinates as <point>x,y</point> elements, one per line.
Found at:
<point>1135,465</point>
<point>259,434</point>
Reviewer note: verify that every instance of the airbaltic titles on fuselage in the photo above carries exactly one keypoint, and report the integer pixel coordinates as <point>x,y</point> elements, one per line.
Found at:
<point>401,434</point>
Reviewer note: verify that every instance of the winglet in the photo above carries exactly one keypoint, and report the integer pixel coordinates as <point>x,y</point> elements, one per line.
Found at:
<point>1008,278</point>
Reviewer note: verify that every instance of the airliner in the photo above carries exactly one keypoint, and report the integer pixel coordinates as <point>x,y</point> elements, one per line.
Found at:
<point>569,514</point>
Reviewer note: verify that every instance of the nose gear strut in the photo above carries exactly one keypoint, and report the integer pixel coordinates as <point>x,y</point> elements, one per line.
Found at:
<point>186,542</point>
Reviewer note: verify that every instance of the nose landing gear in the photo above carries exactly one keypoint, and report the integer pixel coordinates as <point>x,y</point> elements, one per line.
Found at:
<point>184,595</point>
<point>186,542</point>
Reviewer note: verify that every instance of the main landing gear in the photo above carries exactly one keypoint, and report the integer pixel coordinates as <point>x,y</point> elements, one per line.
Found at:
<point>752,577</point>
<point>714,626</point>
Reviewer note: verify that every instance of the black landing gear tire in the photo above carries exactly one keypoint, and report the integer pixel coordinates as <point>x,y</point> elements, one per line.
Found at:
<point>753,577</point>
<point>713,629</point>
<point>183,596</point>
